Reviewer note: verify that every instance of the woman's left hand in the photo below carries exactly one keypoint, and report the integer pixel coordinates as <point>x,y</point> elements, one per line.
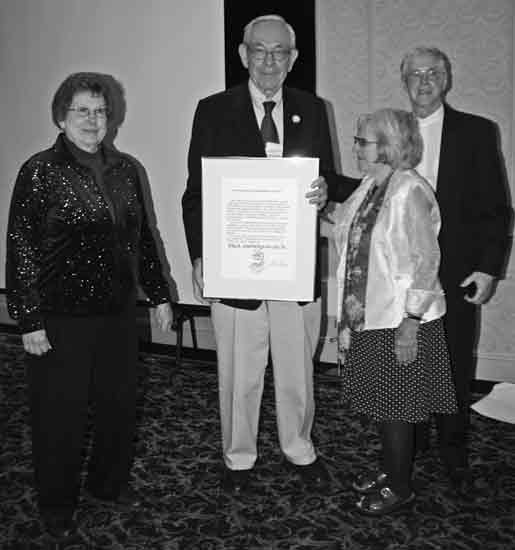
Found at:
<point>406,341</point>
<point>164,316</point>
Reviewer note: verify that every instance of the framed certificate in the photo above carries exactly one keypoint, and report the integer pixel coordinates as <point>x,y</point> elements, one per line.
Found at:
<point>259,230</point>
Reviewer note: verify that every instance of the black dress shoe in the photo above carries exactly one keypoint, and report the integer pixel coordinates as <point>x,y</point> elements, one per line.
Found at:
<point>235,481</point>
<point>456,466</point>
<point>59,528</point>
<point>314,475</point>
<point>460,478</point>
<point>127,498</point>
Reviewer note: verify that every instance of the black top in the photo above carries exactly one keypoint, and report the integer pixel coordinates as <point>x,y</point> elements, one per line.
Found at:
<point>78,239</point>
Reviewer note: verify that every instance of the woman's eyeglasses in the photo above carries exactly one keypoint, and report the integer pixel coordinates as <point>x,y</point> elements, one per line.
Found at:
<point>362,142</point>
<point>85,112</point>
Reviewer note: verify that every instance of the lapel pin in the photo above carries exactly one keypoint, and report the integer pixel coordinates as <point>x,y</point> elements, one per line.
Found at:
<point>295,119</point>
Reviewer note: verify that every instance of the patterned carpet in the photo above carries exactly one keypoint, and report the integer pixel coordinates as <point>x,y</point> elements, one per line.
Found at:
<point>178,466</point>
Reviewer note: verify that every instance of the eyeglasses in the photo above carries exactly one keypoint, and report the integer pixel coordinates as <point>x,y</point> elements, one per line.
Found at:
<point>259,54</point>
<point>431,75</point>
<point>362,142</point>
<point>85,112</point>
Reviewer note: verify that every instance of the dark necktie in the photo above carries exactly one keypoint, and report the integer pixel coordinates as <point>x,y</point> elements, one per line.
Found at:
<point>268,128</point>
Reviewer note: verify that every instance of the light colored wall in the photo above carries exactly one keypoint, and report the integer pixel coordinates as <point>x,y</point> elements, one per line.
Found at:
<point>360,45</point>
<point>167,54</point>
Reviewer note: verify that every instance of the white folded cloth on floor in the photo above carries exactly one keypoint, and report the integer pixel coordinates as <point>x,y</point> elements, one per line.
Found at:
<point>499,404</point>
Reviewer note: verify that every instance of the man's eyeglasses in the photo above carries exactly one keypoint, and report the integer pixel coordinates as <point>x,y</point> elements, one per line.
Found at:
<point>259,54</point>
<point>362,142</point>
<point>84,112</point>
<point>419,75</point>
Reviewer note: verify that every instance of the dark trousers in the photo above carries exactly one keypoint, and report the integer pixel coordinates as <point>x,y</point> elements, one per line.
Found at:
<point>461,326</point>
<point>93,359</point>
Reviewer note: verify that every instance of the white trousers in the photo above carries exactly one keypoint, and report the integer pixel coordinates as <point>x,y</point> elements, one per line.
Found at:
<point>243,340</point>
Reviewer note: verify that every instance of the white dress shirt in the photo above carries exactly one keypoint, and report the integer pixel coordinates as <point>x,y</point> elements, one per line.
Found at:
<point>431,130</point>
<point>258,97</point>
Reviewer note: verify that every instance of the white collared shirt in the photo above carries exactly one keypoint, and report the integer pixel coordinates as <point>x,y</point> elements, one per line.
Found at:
<point>258,97</point>
<point>431,131</point>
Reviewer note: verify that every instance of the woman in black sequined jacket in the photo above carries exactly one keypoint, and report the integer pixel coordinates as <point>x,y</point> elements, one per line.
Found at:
<point>78,245</point>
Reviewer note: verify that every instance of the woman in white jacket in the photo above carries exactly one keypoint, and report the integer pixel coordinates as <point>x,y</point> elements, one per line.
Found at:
<point>391,344</point>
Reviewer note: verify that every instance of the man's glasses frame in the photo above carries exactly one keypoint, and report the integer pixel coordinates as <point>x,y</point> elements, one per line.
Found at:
<point>432,74</point>
<point>259,54</point>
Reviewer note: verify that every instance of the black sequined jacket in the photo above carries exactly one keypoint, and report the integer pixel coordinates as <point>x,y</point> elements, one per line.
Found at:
<point>74,247</point>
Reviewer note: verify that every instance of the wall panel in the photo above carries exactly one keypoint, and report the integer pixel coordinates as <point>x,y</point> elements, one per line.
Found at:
<point>361,44</point>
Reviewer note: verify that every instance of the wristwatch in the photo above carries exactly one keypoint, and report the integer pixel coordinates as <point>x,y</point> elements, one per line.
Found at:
<point>413,316</point>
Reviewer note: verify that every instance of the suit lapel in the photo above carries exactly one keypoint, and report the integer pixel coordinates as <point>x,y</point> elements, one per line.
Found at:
<point>292,117</point>
<point>244,125</point>
<point>448,156</point>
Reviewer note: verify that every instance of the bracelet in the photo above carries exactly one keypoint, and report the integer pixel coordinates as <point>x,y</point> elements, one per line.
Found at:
<point>413,316</point>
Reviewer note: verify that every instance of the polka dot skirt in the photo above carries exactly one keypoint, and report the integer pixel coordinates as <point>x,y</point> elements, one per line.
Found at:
<point>377,385</point>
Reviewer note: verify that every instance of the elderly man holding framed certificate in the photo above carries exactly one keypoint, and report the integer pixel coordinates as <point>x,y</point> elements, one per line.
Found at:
<point>261,118</point>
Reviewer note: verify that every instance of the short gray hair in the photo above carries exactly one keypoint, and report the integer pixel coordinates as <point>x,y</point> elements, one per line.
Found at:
<point>433,52</point>
<point>249,27</point>
<point>399,143</point>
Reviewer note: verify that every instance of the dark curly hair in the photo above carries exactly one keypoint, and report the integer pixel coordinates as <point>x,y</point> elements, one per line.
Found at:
<point>95,83</point>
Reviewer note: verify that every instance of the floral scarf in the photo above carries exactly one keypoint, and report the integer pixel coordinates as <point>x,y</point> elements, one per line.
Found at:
<point>356,270</point>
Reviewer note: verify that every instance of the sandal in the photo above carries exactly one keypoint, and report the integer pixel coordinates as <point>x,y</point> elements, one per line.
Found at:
<point>366,484</point>
<point>383,502</point>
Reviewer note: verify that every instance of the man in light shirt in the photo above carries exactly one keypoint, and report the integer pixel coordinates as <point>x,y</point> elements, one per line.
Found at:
<point>462,163</point>
<point>259,118</point>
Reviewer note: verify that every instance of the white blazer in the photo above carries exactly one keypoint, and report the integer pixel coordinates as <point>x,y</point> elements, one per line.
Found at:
<point>404,253</point>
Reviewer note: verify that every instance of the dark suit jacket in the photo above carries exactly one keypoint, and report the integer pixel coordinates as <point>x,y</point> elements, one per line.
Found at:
<point>473,199</point>
<point>225,125</point>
